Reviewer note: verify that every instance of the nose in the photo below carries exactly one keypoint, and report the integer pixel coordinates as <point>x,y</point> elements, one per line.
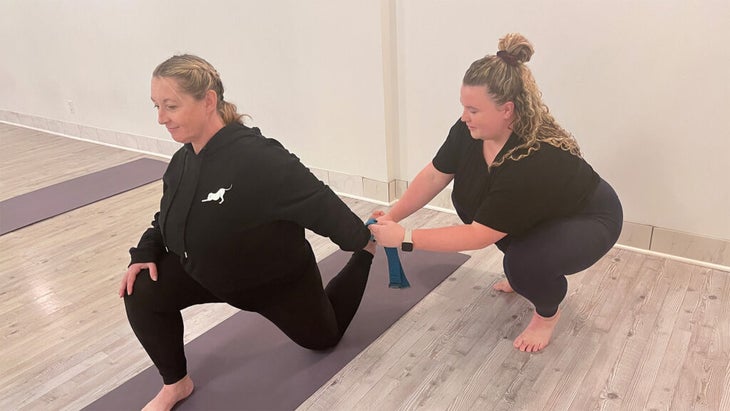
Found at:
<point>161,117</point>
<point>465,116</point>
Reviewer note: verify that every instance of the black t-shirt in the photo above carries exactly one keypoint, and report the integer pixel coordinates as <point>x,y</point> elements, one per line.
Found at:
<point>516,195</point>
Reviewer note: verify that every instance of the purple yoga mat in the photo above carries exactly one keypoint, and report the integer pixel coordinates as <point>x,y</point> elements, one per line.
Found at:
<point>47,202</point>
<point>246,363</point>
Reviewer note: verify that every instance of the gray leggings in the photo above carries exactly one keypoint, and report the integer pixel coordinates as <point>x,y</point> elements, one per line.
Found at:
<point>537,262</point>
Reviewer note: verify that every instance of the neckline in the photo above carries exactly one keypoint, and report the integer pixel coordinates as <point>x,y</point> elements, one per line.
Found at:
<point>509,144</point>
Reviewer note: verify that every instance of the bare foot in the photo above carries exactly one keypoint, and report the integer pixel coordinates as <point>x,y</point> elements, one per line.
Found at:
<point>537,334</point>
<point>503,286</point>
<point>170,395</point>
<point>370,247</point>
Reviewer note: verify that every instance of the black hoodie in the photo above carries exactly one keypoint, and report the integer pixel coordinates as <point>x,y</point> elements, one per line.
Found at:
<point>235,213</point>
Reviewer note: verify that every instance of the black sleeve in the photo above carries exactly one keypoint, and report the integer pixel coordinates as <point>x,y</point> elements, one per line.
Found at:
<point>302,198</point>
<point>451,151</point>
<point>150,247</point>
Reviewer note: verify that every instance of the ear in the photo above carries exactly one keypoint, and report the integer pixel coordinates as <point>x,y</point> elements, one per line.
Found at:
<point>211,100</point>
<point>509,109</point>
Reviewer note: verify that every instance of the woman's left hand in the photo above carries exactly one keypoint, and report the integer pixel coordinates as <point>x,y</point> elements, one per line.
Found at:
<point>388,233</point>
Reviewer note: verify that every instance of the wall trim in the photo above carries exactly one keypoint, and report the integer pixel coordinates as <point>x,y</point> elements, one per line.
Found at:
<point>713,266</point>
<point>635,236</point>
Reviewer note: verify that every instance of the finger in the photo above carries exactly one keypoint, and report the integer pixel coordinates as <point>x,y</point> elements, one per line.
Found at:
<point>122,286</point>
<point>130,283</point>
<point>153,271</point>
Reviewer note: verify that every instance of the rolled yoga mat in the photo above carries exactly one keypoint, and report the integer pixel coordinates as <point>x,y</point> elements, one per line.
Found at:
<point>246,363</point>
<point>47,202</point>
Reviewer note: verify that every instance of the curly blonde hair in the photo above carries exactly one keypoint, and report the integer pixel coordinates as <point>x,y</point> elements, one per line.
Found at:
<point>196,76</point>
<point>508,79</point>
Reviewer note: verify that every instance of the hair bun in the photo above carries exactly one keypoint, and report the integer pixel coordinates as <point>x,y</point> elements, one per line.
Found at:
<point>517,47</point>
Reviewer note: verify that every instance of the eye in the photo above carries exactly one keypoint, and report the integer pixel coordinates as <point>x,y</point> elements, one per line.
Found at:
<point>171,107</point>
<point>156,106</point>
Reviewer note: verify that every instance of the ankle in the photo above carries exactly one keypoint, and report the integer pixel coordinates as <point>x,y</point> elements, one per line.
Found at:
<point>551,318</point>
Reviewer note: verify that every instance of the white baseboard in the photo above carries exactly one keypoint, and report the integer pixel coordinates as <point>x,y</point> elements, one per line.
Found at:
<point>698,249</point>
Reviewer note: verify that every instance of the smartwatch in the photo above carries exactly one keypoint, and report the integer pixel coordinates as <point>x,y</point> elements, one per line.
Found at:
<point>407,244</point>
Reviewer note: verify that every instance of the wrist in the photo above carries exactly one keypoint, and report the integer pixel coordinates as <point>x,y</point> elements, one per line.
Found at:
<point>389,217</point>
<point>407,243</point>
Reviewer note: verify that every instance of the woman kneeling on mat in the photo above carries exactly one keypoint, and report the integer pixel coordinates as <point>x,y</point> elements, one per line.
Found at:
<point>231,229</point>
<point>519,182</point>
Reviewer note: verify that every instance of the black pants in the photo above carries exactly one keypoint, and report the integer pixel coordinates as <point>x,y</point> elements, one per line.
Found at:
<point>312,316</point>
<point>537,262</point>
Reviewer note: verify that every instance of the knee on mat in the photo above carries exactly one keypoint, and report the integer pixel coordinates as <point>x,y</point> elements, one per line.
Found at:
<point>320,343</point>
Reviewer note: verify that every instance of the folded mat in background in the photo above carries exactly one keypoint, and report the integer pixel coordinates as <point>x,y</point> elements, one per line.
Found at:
<point>47,202</point>
<point>246,363</point>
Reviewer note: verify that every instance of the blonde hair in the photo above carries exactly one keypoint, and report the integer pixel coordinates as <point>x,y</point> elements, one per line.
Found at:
<point>508,79</point>
<point>195,76</point>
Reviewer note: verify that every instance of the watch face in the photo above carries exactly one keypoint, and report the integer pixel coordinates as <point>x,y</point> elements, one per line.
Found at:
<point>406,246</point>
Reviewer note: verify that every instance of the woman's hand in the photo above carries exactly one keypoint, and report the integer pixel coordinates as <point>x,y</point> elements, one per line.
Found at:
<point>381,216</point>
<point>131,275</point>
<point>388,233</point>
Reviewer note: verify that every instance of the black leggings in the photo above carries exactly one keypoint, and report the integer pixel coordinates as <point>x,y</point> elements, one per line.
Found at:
<point>312,316</point>
<point>537,262</point>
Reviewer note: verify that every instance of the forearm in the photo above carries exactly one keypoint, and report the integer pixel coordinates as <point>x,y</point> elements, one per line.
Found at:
<point>348,230</point>
<point>150,246</point>
<point>455,238</point>
<point>427,184</point>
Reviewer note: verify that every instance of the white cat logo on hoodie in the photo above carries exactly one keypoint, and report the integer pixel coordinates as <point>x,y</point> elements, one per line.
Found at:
<point>218,195</point>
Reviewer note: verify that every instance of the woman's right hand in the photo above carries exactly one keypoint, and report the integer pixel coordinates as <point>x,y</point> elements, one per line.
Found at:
<point>131,275</point>
<point>381,216</point>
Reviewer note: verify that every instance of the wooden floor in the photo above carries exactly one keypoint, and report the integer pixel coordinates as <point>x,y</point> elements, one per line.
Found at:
<point>638,332</point>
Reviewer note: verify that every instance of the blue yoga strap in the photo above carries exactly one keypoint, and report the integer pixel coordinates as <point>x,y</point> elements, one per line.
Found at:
<point>395,269</point>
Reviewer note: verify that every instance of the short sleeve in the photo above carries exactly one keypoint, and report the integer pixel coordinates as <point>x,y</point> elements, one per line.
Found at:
<point>452,150</point>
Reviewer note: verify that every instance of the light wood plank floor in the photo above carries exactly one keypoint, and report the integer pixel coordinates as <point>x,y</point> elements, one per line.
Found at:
<point>638,332</point>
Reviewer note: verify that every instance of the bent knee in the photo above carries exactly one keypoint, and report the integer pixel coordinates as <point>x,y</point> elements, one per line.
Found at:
<point>519,269</point>
<point>321,343</point>
<point>145,292</point>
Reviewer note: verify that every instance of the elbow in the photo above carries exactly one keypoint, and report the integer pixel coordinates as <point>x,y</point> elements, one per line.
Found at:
<point>478,244</point>
<point>483,236</point>
<point>358,241</point>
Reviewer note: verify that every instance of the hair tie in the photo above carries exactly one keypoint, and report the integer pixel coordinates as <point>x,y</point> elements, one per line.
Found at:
<point>508,58</point>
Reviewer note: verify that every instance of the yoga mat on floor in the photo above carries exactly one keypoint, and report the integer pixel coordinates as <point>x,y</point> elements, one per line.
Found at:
<point>246,363</point>
<point>47,202</point>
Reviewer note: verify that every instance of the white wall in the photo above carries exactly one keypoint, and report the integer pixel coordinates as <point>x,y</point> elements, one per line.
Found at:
<point>309,72</point>
<point>643,85</point>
